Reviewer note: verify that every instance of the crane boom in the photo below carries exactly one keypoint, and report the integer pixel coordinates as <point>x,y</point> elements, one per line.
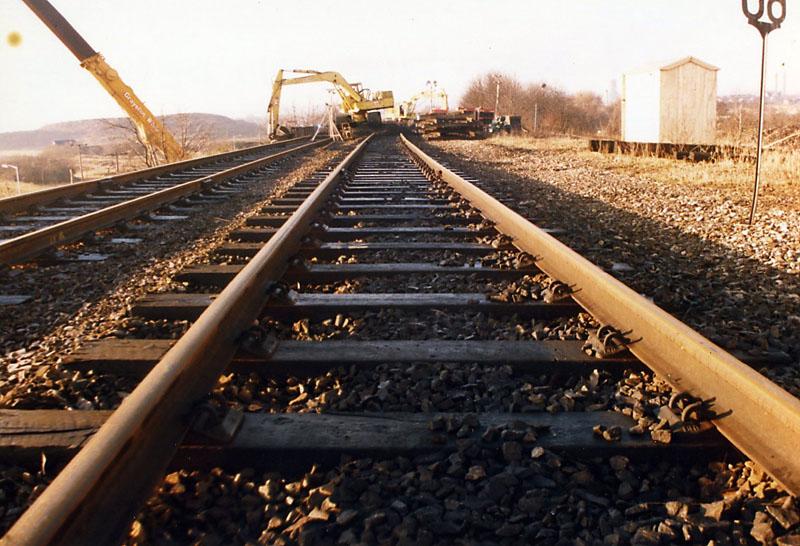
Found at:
<point>151,131</point>
<point>355,101</point>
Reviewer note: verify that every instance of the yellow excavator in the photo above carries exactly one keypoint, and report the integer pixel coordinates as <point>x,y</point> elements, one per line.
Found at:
<point>151,131</point>
<point>435,96</point>
<point>358,103</point>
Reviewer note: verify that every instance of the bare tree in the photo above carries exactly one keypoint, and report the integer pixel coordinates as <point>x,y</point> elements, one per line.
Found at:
<point>133,139</point>
<point>547,108</point>
<point>192,136</point>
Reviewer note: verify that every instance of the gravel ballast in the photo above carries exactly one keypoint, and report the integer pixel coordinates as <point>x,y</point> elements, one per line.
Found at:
<point>77,302</point>
<point>499,486</point>
<point>684,244</point>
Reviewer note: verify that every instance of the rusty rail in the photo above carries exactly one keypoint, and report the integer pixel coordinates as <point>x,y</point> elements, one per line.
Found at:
<point>756,415</point>
<point>30,244</point>
<point>98,493</point>
<point>20,203</point>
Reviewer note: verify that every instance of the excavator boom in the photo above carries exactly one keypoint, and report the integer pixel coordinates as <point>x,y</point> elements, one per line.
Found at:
<point>151,131</point>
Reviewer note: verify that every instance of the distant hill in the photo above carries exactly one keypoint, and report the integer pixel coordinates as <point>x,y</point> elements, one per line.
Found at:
<point>98,132</point>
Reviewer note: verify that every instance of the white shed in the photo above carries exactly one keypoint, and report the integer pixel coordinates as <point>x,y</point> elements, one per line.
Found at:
<point>674,102</point>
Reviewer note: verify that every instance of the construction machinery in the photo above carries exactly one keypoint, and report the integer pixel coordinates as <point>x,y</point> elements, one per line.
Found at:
<point>358,104</point>
<point>434,94</point>
<point>151,131</point>
<point>443,125</point>
<point>428,114</point>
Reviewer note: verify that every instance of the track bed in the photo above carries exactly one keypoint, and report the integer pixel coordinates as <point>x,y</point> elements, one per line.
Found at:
<point>389,366</point>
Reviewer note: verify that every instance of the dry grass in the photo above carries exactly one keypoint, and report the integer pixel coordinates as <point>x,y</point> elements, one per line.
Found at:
<point>560,144</point>
<point>9,189</point>
<point>94,166</point>
<point>58,161</point>
<point>778,166</point>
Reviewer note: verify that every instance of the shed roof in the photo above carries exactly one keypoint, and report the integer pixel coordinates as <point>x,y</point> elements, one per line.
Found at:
<point>669,65</point>
<point>686,60</point>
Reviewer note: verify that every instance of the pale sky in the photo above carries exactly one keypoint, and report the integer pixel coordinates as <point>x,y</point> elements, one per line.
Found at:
<point>221,56</point>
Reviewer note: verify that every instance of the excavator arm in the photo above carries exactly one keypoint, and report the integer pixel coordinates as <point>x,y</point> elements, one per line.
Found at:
<point>151,131</point>
<point>350,96</point>
<point>354,102</point>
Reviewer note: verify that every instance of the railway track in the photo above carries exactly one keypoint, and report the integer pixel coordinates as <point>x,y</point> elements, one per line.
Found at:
<point>393,312</point>
<point>34,223</point>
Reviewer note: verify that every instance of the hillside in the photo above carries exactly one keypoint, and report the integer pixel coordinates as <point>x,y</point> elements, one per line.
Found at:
<point>98,132</point>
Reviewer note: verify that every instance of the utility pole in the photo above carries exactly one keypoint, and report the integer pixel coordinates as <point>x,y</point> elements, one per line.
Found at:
<point>431,85</point>
<point>536,113</point>
<point>497,98</point>
<point>764,28</point>
<point>80,161</point>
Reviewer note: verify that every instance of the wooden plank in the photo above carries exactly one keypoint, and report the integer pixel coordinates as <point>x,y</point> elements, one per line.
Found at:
<point>391,434</point>
<point>400,208</point>
<point>279,208</point>
<point>531,353</point>
<point>393,179</point>
<point>209,275</point>
<point>421,194</point>
<point>135,357</point>
<point>333,272</point>
<point>393,219</point>
<point>386,187</point>
<point>324,437</point>
<point>256,234</point>
<point>26,435</point>
<point>220,275</point>
<point>315,305</point>
<point>333,250</point>
<point>252,235</point>
<point>288,201</point>
<point>350,201</point>
<point>338,249</point>
<point>183,306</point>
<point>267,220</point>
<point>344,233</point>
<point>172,306</point>
<point>126,357</point>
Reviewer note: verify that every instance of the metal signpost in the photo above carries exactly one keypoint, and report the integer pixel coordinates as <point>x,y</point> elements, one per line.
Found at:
<point>767,17</point>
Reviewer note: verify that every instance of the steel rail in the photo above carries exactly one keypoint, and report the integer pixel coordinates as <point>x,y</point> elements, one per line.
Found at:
<point>21,203</point>
<point>95,497</point>
<point>30,244</point>
<point>756,415</point>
